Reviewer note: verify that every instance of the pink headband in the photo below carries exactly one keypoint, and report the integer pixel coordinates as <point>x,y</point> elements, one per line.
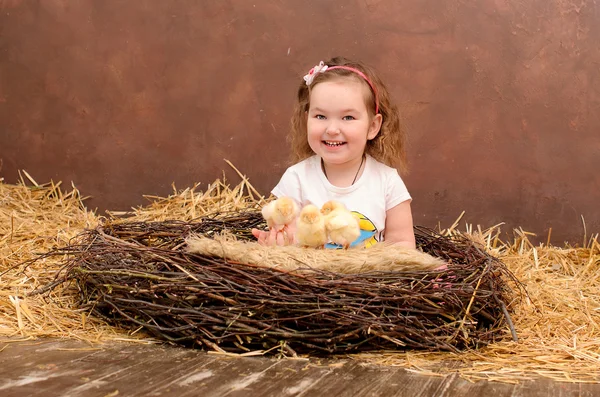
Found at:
<point>321,67</point>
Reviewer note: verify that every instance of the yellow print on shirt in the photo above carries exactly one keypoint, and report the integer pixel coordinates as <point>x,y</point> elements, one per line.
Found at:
<point>368,231</point>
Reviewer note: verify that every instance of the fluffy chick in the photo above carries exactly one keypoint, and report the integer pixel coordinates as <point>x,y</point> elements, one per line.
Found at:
<point>341,226</point>
<point>310,227</point>
<point>280,213</point>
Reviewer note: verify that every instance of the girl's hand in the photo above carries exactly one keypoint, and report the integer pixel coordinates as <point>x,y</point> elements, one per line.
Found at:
<point>273,237</point>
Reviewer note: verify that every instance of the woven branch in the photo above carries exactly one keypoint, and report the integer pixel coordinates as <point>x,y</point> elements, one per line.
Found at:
<point>139,274</point>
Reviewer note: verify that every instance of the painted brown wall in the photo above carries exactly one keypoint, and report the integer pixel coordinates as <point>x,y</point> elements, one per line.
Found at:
<point>126,97</point>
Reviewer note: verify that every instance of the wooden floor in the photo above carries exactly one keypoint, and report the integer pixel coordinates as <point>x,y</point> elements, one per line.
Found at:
<point>71,369</point>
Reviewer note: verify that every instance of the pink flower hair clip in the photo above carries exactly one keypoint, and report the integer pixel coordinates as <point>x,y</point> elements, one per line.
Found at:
<point>320,68</point>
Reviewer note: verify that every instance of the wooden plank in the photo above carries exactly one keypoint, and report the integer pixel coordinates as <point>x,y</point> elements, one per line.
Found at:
<point>39,353</point>
<point>71,372</point>
<point>223,374</point>
<point>356,379</point>
<point>126,371</point>
<point>546,387</point>
<point>68,368</point>
<point>294,378</point>
<point>543,387</point>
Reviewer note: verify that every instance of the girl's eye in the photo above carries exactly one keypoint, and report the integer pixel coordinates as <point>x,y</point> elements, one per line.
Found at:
<point>320,117</point>
<point>348,118</point>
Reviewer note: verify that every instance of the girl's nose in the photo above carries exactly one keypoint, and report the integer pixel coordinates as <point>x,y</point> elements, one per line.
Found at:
<point>333,129</point>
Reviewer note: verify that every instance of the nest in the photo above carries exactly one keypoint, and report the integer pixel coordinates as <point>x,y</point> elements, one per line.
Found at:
<point>142,274</point>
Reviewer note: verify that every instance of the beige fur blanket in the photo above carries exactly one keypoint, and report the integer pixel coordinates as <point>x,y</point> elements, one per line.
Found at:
<point>380,257</point>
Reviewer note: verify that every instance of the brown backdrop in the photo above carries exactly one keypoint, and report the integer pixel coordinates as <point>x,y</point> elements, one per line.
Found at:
<point>126,97</point>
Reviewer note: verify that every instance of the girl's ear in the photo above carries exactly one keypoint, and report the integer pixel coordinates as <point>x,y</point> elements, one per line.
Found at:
<point>375,126</point>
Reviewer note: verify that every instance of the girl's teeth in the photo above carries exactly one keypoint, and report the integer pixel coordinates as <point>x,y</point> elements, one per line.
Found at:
<point>334,143</point>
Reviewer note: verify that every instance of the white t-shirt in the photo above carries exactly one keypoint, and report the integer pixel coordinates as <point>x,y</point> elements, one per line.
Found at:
<point>378,189</point>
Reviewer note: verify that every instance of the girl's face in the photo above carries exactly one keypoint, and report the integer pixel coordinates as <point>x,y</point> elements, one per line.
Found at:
<point>338,122</point>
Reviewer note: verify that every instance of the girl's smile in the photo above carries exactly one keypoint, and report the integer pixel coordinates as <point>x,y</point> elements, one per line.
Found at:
<point>333,144</point>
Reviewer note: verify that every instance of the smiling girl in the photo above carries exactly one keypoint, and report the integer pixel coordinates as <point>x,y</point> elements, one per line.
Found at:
<point>348,144</point>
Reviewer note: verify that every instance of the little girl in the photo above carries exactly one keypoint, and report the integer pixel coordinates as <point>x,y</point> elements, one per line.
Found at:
<point>347,141</point>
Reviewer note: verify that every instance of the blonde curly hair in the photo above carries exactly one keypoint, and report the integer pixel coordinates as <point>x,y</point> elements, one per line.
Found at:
<point>388,147</point>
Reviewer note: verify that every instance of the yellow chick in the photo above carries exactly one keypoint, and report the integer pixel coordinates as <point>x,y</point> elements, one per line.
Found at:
<point>341,226</point>
<point>310,227</point>
<point>280,213</point>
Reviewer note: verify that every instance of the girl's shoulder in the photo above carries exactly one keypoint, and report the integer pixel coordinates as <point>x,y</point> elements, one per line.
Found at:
<point>304,166</point>
<point>380,168</point>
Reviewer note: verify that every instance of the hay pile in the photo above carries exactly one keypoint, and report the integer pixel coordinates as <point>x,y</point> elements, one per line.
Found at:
<point>557,324</point>
<point>33,220</point>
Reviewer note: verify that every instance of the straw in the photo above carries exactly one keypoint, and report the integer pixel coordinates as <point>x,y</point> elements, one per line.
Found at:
<point>558,322</point>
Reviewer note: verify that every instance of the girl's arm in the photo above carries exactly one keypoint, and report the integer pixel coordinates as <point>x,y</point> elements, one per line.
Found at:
<point>399,225</point>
